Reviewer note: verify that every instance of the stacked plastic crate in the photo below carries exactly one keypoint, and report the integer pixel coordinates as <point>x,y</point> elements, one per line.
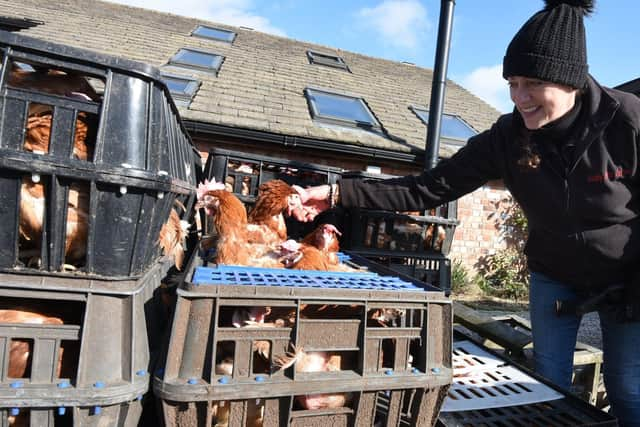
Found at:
<point>244,172</point>
<point>411,243</point>
<point>415,244</point>
<point>326,348</point>
<point>491,390</point>
<point>93,158</point>
<point>352,340</point>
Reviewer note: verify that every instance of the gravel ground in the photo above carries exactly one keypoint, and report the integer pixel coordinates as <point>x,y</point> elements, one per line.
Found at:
<point>589,332</point>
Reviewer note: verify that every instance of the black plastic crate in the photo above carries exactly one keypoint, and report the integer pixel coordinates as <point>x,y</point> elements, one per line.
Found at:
<point>383,231</point>
<point>211,365</point>
<point>125,414</point>
<point>89,361</point>
<point>91,136</point>
<point>567,412</point>
<point>434,269</point>
<point>483,378</point>
<point>243,173</point>
<point>410,233</point>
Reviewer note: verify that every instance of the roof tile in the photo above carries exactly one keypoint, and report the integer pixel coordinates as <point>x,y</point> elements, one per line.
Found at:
<point>262,79</point>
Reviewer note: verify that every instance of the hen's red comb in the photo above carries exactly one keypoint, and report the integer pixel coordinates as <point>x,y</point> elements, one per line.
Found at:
<point>207,185</point>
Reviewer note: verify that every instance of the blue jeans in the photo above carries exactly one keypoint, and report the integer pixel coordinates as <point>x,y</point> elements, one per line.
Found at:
<point>554,340</point>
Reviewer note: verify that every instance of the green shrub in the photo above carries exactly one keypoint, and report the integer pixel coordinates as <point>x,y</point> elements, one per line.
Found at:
<point>460,278</point>
<point>504,273</point>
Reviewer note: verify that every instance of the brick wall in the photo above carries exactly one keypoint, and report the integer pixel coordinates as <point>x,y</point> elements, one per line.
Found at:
<point>479,230</point>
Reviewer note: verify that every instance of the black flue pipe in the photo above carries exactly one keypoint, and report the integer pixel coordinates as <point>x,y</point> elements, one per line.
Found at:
<point>439,83</point>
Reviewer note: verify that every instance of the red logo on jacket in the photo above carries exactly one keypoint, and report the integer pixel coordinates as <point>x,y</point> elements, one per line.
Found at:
<point>618,173</point>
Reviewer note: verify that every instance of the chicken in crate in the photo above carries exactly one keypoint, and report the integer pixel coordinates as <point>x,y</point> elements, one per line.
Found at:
<point>375,231</point>
<point>243,173</point>
<point>74,351</point>
<point>269,331</point>
<point>260,238</point>
<point>88,186</point>
<point>275,347</point>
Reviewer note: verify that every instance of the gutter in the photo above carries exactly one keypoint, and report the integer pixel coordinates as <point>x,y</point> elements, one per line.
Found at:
<point>302,142</point>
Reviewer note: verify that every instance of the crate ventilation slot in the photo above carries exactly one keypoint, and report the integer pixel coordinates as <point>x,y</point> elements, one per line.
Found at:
<point>252,276</point>
<point>481,381</point>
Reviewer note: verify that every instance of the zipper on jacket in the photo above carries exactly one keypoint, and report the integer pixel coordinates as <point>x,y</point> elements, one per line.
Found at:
<point>577,232</point>
<point>567,197</point>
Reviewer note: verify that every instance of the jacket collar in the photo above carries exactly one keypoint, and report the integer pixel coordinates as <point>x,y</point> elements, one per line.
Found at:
<point>601,108</point>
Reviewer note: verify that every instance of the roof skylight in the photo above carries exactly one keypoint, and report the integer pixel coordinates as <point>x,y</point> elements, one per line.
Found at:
<point>340,109</point>
<point>182,88</point>
<point>327,60</point>
<point>214,33</point>
<point>452,127</point>
<point>198,59</point>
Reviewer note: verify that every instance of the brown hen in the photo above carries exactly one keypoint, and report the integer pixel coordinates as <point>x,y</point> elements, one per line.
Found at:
<point>171,238</point>
<point>32,210</point>
<point>37,139</point>
<point>317,361</point>
<point>20,351</point>
<point>266,219</point>
<point>230,222</point>
<point>325,238</point>
<point>302,256</point>
<point>40,116</point>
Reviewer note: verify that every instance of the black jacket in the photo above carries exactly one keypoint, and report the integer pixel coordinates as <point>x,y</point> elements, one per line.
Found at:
<point>584,220</point>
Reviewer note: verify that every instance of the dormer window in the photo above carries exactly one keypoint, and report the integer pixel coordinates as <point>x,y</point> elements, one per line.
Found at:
<point>340,109</point>
<point>197,59</point>
<point>327,60</point>
<point>453,128</point>
<point>214,33</point>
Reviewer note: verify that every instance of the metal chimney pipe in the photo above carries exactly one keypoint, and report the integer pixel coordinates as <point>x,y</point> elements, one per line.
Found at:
<point>439,83</point>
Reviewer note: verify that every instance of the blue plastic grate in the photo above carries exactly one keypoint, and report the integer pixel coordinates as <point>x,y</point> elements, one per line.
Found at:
<point>253,276</point>
<point>342,257</point>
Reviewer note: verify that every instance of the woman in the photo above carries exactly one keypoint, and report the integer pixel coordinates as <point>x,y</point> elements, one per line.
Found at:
<point>569,155</point>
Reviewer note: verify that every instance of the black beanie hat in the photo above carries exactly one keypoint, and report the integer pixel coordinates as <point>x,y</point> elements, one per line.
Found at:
<point>551,45</point>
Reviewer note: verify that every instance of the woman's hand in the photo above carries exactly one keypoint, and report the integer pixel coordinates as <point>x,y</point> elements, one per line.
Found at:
<point>314,201</point>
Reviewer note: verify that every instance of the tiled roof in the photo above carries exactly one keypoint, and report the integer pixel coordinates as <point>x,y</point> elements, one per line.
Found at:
<point>261,83</point>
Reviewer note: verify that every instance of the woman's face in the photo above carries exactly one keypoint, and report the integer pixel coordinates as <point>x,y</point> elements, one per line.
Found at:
<point>540,102</point>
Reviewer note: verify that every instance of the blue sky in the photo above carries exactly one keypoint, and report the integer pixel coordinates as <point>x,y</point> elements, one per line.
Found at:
<point>406,30</point>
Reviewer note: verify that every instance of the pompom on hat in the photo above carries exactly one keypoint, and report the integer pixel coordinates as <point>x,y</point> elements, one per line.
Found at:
<point>551,45</point>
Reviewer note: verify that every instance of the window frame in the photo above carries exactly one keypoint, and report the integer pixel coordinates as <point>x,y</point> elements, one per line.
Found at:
<point>326,59</point>
<point>174,61</point>
<point>373,125</point>
<point>446,138</point>
<point>209,27</point>
<point>186,97</point>
<point>13,24</point>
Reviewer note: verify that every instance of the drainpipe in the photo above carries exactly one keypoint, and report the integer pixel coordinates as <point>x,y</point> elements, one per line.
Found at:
<point>439,83</point>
